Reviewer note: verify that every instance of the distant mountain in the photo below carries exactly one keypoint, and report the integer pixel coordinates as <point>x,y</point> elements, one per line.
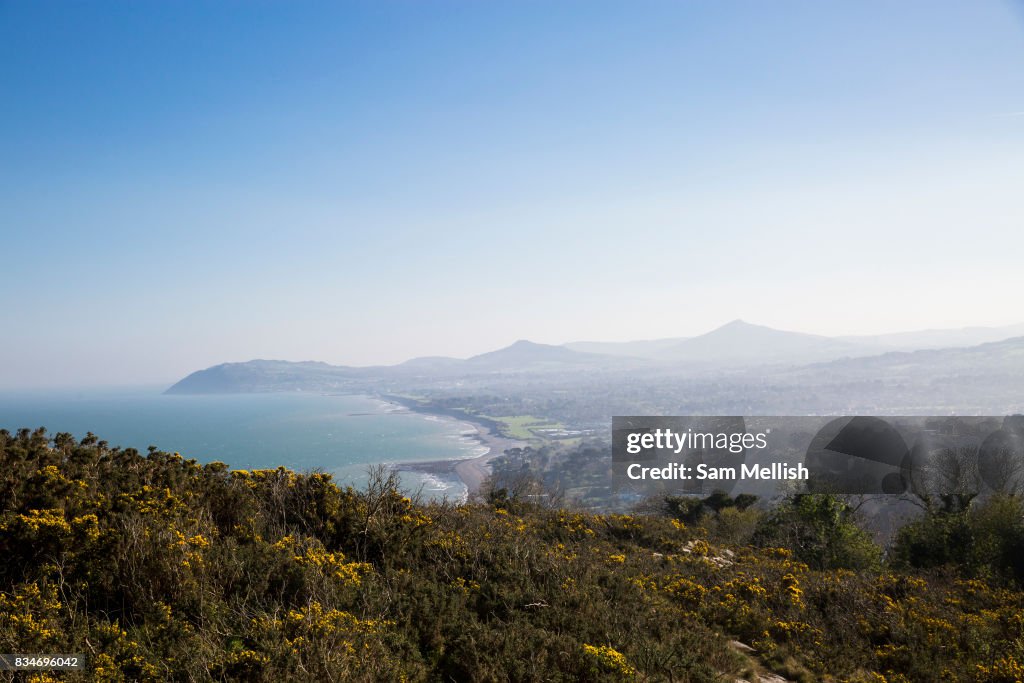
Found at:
<point>1003,359</point>
<point>976,380</point>
<point>430,363</point>
<point>647,348</point>
<point>741,343</point>
<point>277,375</point>
<point>938,339</point>
<point>735,346</point>
<point>739,336</point>
<point>524,355</point>
<point>521,356</point>
<point>261,375</point>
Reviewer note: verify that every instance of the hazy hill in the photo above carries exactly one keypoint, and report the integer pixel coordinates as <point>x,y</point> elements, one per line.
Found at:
<point>1003,359</point>
<point>741,343</point>
<point>276,375</point>
<point>645,348</point>
<point>259,375</point>
<point>734,347</point>
<point>520,356</point>
<point>733,342</point>
<point>430,364</point>
<point>524,355</point>
<point>976,380</point>
<point>937,339</point>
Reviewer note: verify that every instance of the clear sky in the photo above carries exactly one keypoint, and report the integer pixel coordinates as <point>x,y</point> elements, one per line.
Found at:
<point>187,183</point>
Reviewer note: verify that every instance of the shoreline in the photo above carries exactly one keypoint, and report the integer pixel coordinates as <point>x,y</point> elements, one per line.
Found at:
<point>471,471</point>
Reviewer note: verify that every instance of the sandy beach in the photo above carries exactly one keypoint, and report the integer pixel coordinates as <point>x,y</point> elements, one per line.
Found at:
<point>471,471</point>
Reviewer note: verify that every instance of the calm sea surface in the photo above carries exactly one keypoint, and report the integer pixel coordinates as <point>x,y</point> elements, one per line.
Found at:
<point>339,434</point>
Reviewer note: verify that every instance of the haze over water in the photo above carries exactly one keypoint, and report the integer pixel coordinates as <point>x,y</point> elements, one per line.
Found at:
<point>338,434</point>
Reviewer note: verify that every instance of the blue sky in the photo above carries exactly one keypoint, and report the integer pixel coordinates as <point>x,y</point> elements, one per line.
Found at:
<point>190,183</point>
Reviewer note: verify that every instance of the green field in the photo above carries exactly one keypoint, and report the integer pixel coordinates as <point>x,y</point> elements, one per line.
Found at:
<point>522,426</point>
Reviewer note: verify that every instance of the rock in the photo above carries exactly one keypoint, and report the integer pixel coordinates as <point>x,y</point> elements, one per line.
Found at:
<point>742,647</point>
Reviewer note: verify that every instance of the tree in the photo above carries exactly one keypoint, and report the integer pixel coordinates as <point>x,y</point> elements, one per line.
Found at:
<point>821,529</point>
<point>986,541</point>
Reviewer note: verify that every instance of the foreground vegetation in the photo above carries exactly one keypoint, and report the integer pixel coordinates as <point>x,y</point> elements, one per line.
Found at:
<point>156,567</point>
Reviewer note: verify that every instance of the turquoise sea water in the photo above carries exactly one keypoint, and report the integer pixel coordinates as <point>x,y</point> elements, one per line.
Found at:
<point>339,434</point>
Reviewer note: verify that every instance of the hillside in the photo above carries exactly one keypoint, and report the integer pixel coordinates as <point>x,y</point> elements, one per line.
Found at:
<point>260,375</point>
<point>159,568</point>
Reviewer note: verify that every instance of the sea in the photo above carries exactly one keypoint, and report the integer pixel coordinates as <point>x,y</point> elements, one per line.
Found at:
<point>341,434</point>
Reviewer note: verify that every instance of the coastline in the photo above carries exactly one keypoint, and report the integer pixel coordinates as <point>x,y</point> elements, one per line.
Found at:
<point>472,471</point>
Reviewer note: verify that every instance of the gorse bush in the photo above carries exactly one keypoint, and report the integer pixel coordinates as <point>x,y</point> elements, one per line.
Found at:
<point>727,519</point>
<point>159,568</point>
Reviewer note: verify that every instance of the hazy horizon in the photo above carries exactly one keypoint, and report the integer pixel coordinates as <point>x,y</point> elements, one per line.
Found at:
<point>158,385</point>
<point>363,183</point>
